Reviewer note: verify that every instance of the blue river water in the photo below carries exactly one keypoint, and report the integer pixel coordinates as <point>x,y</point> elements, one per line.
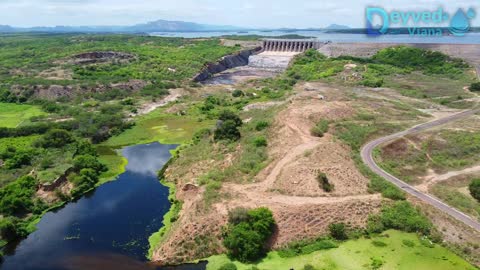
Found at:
<point>471,38</point>
<point>107,228</point>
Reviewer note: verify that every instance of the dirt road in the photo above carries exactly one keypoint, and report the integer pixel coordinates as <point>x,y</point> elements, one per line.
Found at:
<point>367,158</point>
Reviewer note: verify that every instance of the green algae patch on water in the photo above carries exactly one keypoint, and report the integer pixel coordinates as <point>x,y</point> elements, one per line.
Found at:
<point>363,254</point>
<point>168,219</point>
<point>115,163</point>
<point>159,127</point>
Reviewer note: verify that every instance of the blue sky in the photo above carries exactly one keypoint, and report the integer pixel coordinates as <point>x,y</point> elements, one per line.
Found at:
<point>249,13</point>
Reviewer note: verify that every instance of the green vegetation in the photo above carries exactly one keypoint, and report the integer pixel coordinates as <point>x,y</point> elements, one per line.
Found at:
<point>227,127</point>
<point>338,231</point>
<point>151,58</point>
<point>361,254</point>
<point>14,115</point>
<point>320,128</point>
<point>451,193</point>
<point>400,216</point>
<point>441,151</point>
<point>324,183</point>
<point>247,233</point>
<point>474,188</point>
<point>306,247</point>
<point>412,71</point>
<point>475,87</point>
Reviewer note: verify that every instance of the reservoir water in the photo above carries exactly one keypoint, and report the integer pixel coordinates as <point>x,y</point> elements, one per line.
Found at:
<point>470,38</point>
<point>107,228</point>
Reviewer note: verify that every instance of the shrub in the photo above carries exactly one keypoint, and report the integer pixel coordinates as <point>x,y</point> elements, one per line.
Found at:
<point>400,216</point>
<point>320,128</point>
<point>85,181</point>
<point>8,229</point>
<point>475,189</point>
<point>238,215</point>
<point>475,87</point>
<point>260,142</point>
<point>228,266</point>
<point>246,240</point>
<point>261,125</point>
<point>55,138</point>
<point>308,267</point>
<point>227,130</point>
<point>88,162</point>
<point>378,243</point>
<point>237,93</point>
<point>201,134</point>
<point>16,197</point>
<point>408,243</point>
<point>19,159</point>
<point>324,183</point>
<point>306,247</point>
<point>229,115</point>
<point>338,231</point>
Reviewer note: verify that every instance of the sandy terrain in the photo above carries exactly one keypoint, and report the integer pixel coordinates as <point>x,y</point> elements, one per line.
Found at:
<point>149,107</point>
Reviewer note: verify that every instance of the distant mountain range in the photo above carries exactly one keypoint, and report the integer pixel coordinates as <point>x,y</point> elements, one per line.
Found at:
<point>155,26</point>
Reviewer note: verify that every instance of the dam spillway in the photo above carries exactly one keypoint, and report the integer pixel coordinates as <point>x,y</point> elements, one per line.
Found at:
<point>278,45</point>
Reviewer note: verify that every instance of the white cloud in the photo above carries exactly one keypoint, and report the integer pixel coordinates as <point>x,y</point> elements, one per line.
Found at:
<point>265,13</point>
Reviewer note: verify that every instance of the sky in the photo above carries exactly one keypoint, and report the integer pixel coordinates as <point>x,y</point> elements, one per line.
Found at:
<point>246,13</point>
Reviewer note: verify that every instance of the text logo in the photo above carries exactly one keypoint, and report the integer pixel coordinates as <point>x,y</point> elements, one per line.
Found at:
<point>418,23</point>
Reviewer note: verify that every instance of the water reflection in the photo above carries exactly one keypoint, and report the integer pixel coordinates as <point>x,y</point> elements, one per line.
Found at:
<point>106,229</point>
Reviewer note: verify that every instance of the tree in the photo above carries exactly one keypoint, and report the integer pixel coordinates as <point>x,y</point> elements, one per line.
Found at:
<point>237,93</point>
<point>246,239</point>
<point>84,147</point>
<point>8,229</point>
<point>19,159</point>
<point>16,197</point>
<point>338,231</point>
<point>475,189</point>
<point>227,130</point>
<point>55,138</point>
<point>475,87</point>
<point>88,162</point>
<point>229,115</point>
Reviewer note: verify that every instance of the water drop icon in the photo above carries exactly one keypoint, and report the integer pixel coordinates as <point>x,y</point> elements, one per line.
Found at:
<point>471,13</point>
<point>460,23</point>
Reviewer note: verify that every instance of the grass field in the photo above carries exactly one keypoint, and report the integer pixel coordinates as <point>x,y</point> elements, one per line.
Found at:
<point>455,193</point>
<point>403,251</point>
<point>12,115</point>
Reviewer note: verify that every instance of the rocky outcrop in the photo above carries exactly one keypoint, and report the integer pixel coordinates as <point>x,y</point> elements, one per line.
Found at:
<point>57,183</point>
<point>101,57</point>
<point>53,92</point>
<point>227,62</point>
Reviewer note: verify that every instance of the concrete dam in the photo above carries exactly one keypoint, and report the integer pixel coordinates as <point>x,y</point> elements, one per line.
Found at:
<point>278,45</point>
<point>267,60</point>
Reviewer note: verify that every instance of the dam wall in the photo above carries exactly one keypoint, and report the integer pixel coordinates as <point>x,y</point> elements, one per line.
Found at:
<point>278,45</point>
<point>227,62</point>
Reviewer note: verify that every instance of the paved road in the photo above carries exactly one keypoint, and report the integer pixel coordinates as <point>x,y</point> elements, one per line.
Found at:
<point>367,158</point>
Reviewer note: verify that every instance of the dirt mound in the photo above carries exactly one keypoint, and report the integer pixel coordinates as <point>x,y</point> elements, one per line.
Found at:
<point>395,148</point>
<point>101,57</point>
<point>310,221</point>
<point>299,178</point>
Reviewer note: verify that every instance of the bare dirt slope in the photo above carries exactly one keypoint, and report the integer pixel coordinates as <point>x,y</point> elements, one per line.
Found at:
<point>288,186</point>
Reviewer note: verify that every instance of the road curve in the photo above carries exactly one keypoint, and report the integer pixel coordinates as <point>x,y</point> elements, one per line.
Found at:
<point>367,157</point>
